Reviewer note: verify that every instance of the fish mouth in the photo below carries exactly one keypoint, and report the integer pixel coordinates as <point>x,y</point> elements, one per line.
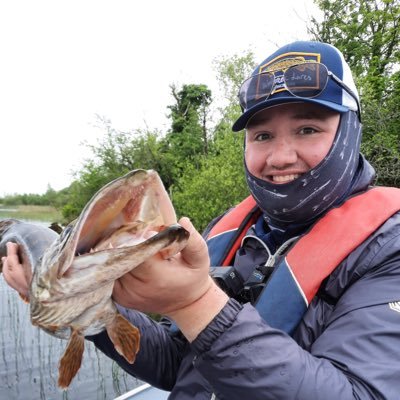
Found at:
<point>124,213</point>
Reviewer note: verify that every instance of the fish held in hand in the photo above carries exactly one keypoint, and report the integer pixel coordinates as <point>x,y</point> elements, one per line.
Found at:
<point>68,279</point>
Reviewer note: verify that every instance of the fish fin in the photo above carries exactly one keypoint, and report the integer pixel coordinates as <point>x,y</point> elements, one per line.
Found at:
<point>71,360</point>
<point>24,297</point>
<point>125,337</point>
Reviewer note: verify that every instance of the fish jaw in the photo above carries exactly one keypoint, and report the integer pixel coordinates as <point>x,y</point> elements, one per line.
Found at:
<point>138,199</point>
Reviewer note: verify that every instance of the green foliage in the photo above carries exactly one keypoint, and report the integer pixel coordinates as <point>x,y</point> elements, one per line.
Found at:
<point>366,31</point>
<point>191,102</point>
<point>368,34</point>
<point>215,182</point>
<point>218,184</point>
<point>231,72</point>
<point>382,150</point>
<point>187,140</point>
<point>50,198</point>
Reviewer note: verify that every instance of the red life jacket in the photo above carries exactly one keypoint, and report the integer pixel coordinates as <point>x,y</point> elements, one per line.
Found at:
<point>312,258</point>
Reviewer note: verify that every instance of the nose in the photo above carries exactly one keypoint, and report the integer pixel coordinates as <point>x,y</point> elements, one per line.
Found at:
<point>282,153</point>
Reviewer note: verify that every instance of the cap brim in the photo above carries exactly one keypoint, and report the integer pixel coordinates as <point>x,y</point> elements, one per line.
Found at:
<point>244,118</point>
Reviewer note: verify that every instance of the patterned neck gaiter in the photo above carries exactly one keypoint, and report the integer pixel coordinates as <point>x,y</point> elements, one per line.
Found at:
<point>314,192</point>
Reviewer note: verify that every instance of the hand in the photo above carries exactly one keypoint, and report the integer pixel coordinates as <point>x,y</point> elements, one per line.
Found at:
<point>14,272</point>
<point>164,285</point>
<point>179,287</point>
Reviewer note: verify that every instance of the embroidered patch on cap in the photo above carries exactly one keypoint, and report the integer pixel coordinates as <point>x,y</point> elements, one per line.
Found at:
<point>286,60</point>
<point>283,62</point>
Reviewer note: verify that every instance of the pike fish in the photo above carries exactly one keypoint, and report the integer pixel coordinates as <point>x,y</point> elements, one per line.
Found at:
<point>70,276</point>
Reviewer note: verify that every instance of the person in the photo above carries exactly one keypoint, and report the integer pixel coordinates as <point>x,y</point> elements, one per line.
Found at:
<point>315,248</point>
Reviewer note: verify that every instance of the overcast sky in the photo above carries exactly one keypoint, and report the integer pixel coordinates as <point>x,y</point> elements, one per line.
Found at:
<point>64,62</point>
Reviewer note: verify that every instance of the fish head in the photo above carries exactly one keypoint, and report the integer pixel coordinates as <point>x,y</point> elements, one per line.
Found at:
<point>127,211</point>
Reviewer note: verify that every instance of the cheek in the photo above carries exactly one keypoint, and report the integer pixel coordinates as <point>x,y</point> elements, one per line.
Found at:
<point>255,160</point>
<point>313,155</point>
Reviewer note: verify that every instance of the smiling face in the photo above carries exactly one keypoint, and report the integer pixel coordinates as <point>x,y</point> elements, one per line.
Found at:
<point>288,140</point>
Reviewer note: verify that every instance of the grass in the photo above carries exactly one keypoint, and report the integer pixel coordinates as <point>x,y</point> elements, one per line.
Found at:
<point>37,213</point>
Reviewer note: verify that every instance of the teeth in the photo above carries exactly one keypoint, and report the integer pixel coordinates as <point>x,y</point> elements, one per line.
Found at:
<point>91,251</point>
<point>284,178</point>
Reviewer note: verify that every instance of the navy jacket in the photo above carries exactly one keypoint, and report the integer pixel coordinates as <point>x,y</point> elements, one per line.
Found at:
<point>347,345</point>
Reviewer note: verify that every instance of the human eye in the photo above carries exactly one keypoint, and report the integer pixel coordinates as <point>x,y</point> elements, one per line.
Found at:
<point>262,136</point>
<point>307,130</point>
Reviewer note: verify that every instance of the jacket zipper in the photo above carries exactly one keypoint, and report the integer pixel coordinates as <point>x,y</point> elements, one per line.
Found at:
<point>272,258</point>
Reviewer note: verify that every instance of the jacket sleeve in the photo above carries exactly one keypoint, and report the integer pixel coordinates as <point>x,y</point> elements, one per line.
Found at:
<point>351,354</point>
<point>243,357</point>
<point>161,350</point>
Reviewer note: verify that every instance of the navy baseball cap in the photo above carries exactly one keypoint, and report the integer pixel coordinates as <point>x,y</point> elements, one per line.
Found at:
<point>308,71</point>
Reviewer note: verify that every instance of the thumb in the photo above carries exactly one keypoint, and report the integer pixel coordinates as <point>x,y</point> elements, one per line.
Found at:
<point>12,250</point>
<point>14,272</point>
<point>195,252</point>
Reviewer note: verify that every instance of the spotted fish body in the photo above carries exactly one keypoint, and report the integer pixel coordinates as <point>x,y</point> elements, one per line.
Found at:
<point>128,221</point>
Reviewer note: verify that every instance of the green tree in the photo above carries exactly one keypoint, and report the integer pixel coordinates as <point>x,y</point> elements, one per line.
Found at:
<point>188,139</point>
<point>215,186</point>
<point>217,183</point>
<point>189,118</point>
<point>368,34</point>
<point>231,72</point>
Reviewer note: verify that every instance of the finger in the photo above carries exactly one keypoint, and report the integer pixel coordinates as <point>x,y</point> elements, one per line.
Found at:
<point>12,249</point>
<point>13,276</point>
<point>8,276</point>
<point>12,256</point>
<point>196,252</point>
<point>13,270</point>
<point>3,262</point>
<point>123,293</point>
